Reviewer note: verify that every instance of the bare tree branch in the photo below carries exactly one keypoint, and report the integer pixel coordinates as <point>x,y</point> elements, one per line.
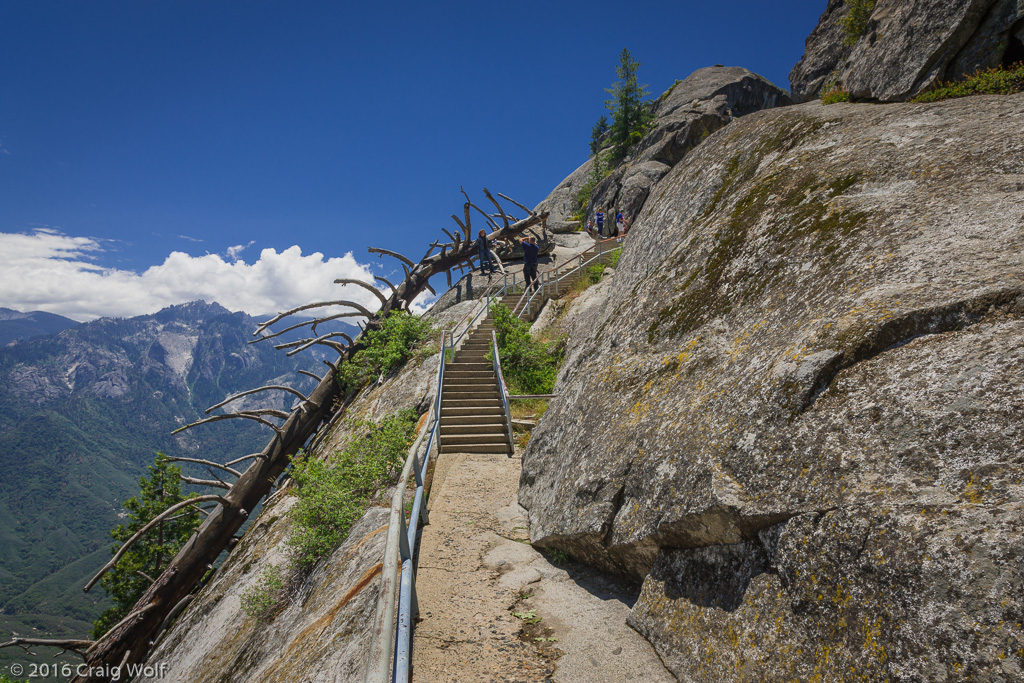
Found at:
<point>318,304</point>
<point>307,373</point>
<point>509,199</point>
<point>146,576</point>
<point>504,218</point>
<point>227,416</point>
<point>244,458</point>
<point>269,387</point>
<point>364,285</point>
<point>204,482</point>
<point>394,254</point>
<point>76,646</point>
<point>390,286</point>
<point>152,523</point>
<point>208,463</point>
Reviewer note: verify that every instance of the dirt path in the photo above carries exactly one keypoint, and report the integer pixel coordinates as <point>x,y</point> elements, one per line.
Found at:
<point>482,587</point>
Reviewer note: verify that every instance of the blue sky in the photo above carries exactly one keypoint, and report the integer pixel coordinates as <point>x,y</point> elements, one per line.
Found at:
<point>132,130</point>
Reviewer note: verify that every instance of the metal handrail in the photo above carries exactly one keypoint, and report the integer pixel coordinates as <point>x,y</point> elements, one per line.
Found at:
<point>398,552</point>
<point>503,390</point>
<point>545,285</point>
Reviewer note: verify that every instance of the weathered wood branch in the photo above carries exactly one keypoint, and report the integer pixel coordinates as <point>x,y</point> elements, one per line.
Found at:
<point>322,341</point>
<point>307,373</point>
<point>227,416</point>
<point>504,218</point>
<point>393,254</point>
<point>146,576</point>
<point>215,483</point>
<point>152,523</point>
<point>269,387</point>
<point>385,281</point>
<point>359,283</point>
<point>509,199</point>
<point>318,304</point>
<point>247,457</point>
<point>208,463</point>
<point>310,324</point>
<point>76,646</point>
<point>483,213</point>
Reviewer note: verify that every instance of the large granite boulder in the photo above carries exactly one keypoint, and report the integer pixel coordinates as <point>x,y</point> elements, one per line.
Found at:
<point>908,46</point>
<point>685,115</point>
<point>800,418</point>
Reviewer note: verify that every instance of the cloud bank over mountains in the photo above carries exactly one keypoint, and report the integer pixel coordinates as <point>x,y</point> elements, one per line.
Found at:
<point>47,270</point>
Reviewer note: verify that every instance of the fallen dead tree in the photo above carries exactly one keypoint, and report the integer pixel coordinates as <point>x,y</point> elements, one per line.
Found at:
<point>130,640</point>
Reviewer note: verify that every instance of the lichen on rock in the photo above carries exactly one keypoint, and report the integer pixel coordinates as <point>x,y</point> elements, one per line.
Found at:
<point>807,435</point>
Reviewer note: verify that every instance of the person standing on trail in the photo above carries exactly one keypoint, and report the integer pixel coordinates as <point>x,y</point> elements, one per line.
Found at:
<point>620,224</point>
<point>530,253</point>
<point>483,249</point>
<point>599,216</point>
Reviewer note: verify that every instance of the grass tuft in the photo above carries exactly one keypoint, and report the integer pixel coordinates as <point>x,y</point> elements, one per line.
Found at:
<point>996,81</point>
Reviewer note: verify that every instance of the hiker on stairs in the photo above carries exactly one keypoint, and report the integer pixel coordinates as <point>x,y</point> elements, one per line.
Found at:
<point>483,248</point>
<point>530,253</point>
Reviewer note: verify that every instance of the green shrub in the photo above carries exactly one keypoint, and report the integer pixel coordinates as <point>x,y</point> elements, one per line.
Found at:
<point>529,366</point>
<point>594,273</point>
<point>836,94</point>
<point>386,349</point>
<point>148,556</point>
<point>856,20</point>
<point>334,494</point>
<point>261,599</point>
<point>996,81</point>
<point>613,258</point>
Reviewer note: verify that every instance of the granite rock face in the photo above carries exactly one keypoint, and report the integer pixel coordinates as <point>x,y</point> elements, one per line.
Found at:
<point>799,415</point>
<point>685,116</point>
<point>907,46</point>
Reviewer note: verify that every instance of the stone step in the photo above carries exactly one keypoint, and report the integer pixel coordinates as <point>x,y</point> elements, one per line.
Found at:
<point>474,439</point>
<point>448,429</point>
<point>483,388</point>
<point>476,448</point>
<point>455,421</point>
<point>474,411</point>
<point>476,396</point>
<point>475,378</point>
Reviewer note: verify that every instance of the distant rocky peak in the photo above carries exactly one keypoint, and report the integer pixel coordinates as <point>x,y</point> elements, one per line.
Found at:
<point>193,311</point>
<point>744,91</point>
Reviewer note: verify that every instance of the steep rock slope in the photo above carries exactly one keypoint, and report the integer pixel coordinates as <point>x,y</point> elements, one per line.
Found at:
<point>907,45</point>
<point>685,115</point>
<point>799,417</point>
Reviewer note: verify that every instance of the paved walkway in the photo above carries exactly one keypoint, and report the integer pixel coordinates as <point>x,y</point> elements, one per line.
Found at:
<point>476,568</point>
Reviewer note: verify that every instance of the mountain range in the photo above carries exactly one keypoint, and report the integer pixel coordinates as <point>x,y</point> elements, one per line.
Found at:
<point>83,409</point>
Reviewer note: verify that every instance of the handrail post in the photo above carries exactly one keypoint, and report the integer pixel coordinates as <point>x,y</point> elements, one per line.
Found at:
<point>503,390</point>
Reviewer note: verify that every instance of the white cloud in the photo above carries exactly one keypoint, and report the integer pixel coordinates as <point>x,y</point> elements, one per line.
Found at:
<point>234,251</point>
<point>50,271</point>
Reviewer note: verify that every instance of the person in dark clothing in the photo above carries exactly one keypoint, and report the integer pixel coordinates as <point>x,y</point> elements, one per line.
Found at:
<point>599,216</point>
<point>483,250</point>
<point>530,253</point>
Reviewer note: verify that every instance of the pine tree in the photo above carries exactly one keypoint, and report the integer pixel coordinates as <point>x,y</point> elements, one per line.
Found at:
<point>631,112</point>
<point>596,133</point>
<point>125,583</point>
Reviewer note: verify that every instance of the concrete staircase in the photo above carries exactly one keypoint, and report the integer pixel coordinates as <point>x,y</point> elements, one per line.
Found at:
<point>472,415</point>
